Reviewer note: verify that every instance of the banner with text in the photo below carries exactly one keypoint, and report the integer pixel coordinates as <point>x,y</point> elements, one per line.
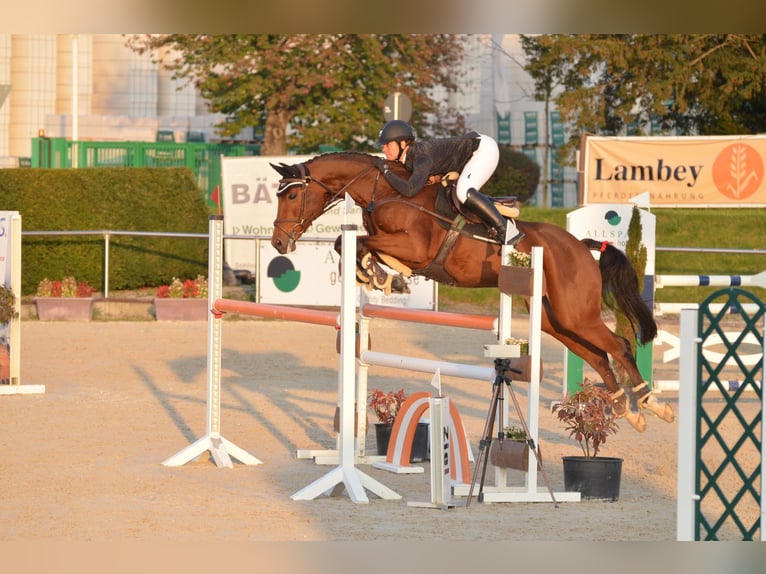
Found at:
<point>720,171</point>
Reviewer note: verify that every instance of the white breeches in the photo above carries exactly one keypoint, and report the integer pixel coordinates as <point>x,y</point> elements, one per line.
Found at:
<point>479,168</point>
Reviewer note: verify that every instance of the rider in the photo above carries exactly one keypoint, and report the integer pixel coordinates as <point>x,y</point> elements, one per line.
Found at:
<point>473,155</point>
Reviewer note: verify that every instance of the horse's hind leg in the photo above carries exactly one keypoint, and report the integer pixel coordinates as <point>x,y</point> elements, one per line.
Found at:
<point>599,361</point>
<point>640,388</point>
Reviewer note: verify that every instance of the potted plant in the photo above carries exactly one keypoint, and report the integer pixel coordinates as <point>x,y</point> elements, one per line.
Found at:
<point>511,449</point>
<point>182,300</point>
<point>588,416</point>
<point>386,406</point>
<point>7,305</point>
<point>65,300</point>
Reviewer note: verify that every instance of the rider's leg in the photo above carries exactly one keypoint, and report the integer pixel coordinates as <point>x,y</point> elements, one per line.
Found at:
<point>476,173</point>
<point>485,208</point>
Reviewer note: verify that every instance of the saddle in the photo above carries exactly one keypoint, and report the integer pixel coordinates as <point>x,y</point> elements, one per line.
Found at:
<point>448,205</point>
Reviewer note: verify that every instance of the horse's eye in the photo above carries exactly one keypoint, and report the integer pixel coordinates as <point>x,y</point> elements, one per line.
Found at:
<point>292,195</point>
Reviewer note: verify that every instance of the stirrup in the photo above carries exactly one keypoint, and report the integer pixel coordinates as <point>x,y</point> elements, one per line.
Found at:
<point>516,238</point>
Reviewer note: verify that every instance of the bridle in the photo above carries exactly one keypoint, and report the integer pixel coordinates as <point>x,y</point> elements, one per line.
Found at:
<point>303,180</point>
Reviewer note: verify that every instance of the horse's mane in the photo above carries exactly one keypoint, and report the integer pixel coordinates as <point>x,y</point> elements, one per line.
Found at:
<point>350,155</point>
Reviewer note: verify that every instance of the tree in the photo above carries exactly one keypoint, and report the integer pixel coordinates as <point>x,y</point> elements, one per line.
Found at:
<point>311,89</point>
<point>612,84</point>
<point>516,174</point>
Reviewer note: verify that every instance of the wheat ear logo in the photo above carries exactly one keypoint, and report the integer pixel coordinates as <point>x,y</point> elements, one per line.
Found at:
<point>738,171</point>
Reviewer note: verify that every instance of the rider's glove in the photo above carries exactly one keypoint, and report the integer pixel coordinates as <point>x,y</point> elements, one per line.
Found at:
<point>382,165</point>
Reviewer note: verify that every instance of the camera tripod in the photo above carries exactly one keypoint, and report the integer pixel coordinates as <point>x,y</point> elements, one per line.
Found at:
<point>502,366</point>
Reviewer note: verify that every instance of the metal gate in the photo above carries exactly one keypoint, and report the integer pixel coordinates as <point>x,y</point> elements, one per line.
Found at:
<point>721,419</point>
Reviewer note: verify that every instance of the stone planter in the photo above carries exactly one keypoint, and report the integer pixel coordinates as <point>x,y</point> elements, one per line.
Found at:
<point>170,309</point>
<point>64,308</point>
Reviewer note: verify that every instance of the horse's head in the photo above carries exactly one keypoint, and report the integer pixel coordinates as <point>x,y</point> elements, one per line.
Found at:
<point>303,196</point>
<point>298,205</point>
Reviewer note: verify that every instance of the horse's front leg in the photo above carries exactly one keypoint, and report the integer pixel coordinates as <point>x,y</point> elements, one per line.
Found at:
<point>370,274</point>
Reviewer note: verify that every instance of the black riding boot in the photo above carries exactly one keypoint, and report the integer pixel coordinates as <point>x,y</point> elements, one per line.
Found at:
<point>485,208</point>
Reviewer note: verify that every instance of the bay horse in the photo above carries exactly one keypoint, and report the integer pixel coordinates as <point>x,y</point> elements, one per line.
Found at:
<point>419,236</point>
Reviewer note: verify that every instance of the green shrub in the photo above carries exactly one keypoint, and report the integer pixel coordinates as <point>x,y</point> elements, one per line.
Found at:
<point>120,199</point>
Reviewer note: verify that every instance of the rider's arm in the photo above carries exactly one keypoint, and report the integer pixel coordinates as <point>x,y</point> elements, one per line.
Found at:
<point>421,168</point>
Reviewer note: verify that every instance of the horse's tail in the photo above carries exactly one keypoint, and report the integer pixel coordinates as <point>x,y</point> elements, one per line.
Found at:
<point>620,287</point>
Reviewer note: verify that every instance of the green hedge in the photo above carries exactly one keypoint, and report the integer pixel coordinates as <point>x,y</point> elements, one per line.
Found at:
<point>121,199</point>
<point>516,174</point>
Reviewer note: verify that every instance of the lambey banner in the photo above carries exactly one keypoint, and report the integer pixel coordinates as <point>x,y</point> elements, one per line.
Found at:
<point>721,171</point>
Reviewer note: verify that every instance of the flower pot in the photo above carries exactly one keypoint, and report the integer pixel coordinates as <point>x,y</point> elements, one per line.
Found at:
<point>173,309</point>
<point>64,308</point>
<point>510,454</point>
<point>419,452</point>
<point>593,477</point>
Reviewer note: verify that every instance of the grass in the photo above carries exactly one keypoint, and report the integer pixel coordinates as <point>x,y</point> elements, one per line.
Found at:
<point>690,228</point>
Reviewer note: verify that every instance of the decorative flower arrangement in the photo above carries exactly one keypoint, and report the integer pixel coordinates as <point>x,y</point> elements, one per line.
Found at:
<point>67,287</point>
<point>588,416</point>
<point>514,433</point>
<point>7,305</point>
<point>519,259</point>
<point>522,343</point>
<point>189,289</point>
<point>386,405</point>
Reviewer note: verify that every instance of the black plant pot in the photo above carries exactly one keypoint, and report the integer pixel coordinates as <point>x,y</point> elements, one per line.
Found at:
<point>419,452</point>
<point>593,477</point>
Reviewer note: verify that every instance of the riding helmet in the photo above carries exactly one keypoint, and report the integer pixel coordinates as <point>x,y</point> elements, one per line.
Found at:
<point>395,130</point>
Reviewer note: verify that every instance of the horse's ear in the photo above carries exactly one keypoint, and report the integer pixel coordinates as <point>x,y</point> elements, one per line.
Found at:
<point>281,169</point>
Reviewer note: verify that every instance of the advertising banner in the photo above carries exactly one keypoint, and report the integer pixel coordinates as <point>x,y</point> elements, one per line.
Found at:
<point>721,171</point>
<point>10,276</point>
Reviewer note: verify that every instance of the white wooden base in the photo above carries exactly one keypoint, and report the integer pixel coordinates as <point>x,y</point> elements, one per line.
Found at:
<point>515,494</point>
<point>397,468</point>
<point>219,448</point>
<point>353,479</point>
<point>22,389</point>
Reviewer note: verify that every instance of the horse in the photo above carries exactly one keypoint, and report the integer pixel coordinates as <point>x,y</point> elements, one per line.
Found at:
<point>420,236</point>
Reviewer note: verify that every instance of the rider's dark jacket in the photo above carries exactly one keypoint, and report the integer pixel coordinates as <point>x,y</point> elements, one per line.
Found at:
<point>430,157</point>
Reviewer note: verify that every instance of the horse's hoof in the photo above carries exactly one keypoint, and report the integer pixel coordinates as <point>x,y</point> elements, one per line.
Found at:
<point>662,410</point>
<point>636,420</point>
<point>399,285</point>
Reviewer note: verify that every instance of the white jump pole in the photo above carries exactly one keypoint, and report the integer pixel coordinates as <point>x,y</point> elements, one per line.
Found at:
<point>346,473</point>
<point>219,447</point>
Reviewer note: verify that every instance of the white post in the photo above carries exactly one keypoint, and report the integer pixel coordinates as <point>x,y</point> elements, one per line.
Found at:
<point>219,447</point>
<point>441,457</point>
<point>346,473</point>
<point>687,425</point>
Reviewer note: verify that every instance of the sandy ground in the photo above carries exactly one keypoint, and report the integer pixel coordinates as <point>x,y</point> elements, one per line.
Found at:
<point>83,461</point>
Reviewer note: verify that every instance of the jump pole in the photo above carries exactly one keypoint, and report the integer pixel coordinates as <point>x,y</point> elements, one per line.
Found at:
<point>220,448</point>
<point>346,474</point>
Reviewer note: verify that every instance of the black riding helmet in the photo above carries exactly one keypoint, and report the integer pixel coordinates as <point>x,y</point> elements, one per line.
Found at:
<point>395,130</point>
